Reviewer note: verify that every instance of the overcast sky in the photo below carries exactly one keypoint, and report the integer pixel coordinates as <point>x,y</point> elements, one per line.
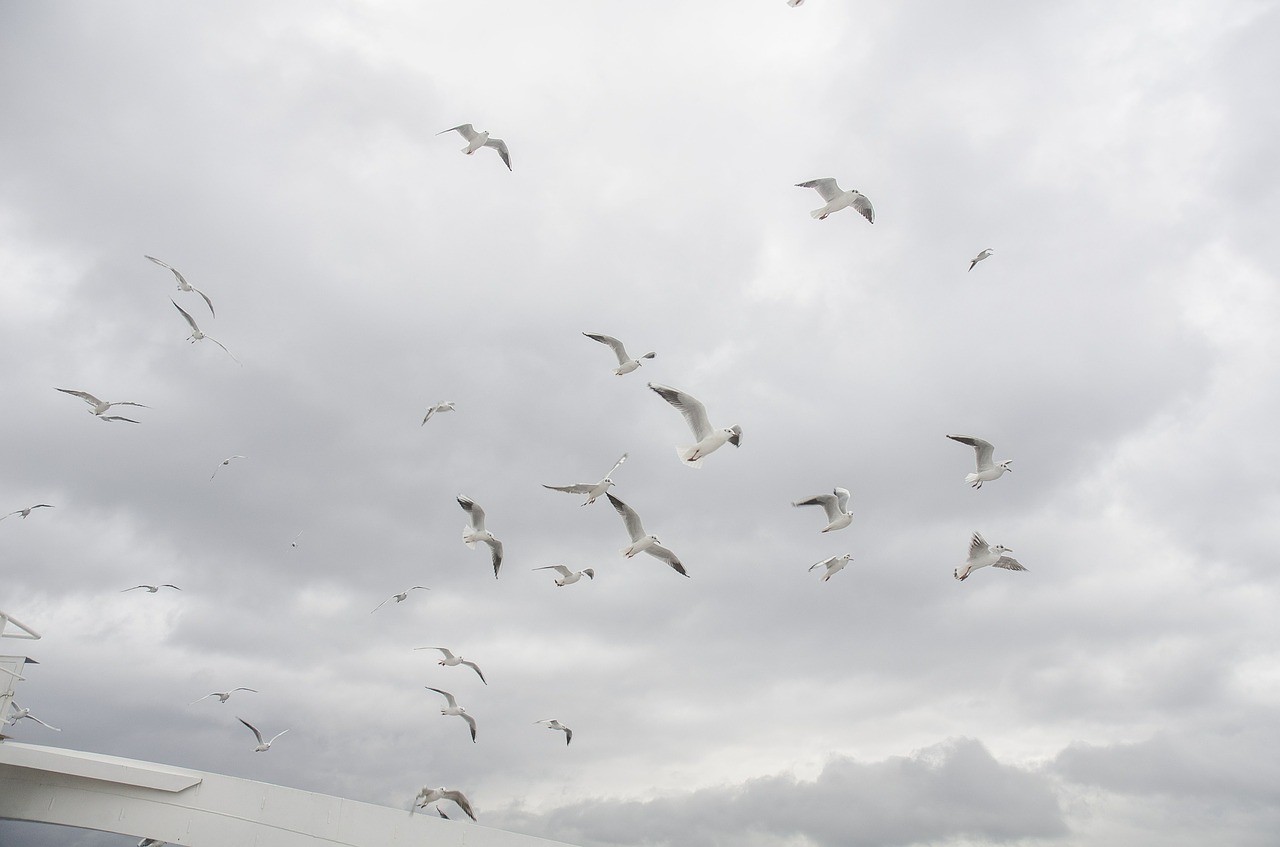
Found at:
<point>1120,346</point>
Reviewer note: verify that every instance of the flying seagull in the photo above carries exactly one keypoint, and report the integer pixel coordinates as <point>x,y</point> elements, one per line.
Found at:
<point>568,577</point>
<point>442,406</point>
<point>640,542</point>
<point>27,511</point>
<point>833,565</point>
<point>399,598</point>
<point>152,842</point>
<point>475,531</point>
<point>294,542</point>
<point>427,796</point>
<point>152,589</point>
<point>981,555</point>
<point>451,660</point>
<point>263,746</point>
<point>626,364</point>
<point>98,407</point>
<point>837,506</point>
<point>838,199</point>
<point>476,140</point>
<point>695,414</point>
<point>795,2</point>
<point>987,468</point>
<point>197,335</point>
<point>20,713</point>
<point>552,723</point>
<point>183,285</point>
<point>222,696</point>
<point>452,708</point>
<point>591,489</point>
<point>978,258</point>
<point>224,463</point>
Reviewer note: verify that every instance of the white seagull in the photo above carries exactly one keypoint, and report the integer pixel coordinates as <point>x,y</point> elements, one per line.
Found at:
<point>20,713</point>
<point>591,489</point>
<point>263,746</point>
<point>197,335</point>
<point>978,258</point>
<point>568,577</point>
<point>476,140</point>
<point>294,542</point>
<point>838,199</point>
<point>987,468</point>
<point>399,598</point>
<point>981,555</point>
<point>837,505</point>
<point>224,463</point>
<point>640,542</point>
<point>427,796</point>
<point>475,531</point>
<point>442,406</point>
<point>451,661</point>
<point>152,842</point>
<point>552,723</point>
<point>695,414</point>
<point>833,565</point>
<point>98,407</point>
<point>222,696</point>
<point>152,589</point>
<point>27,511</point>
<point>183,285</point>
<point>626,364</point>
<point>452,708</point>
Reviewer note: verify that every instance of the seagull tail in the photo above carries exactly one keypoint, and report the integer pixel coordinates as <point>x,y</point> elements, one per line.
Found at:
<point>818,213</point>
<point>686,453</point>
<point>466,534</point>
<point>971,478</point>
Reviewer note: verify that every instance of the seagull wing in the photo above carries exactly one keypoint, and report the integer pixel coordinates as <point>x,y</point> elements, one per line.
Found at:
<point>977,546</point>
<point>444,650</point>
<point>459,798</point>
<point>473,510</point>
<point>181,280</point>
<point>660,552</point>
<point>826,187</point>
<point>501,146</point>
<point>863,205</point>
<point>277,735</point>
<point>695,414</point>
<point>475,668</point>
<point>614,344</point>
<point>616,465</point>
<point>83,395</point>
<point>207,301</point>
<point>383,603</point>
<point>829,502</point>
<point>148,587</point>
<point>982,448</point>
<point>190,320</point>
<point>242,688</point>
<point>576,488</point>
<point>253,728</point>
<point>471,722</point>
<point>453,704</point>
<point>42,723</point>
<point>116,418</point>
<point>224,347</point>
<point>561,569</point>
<point>629,517</point>
<point>1008,563</point>
<point>842,500</point>
<point>495,547</point>
<point>465,130</point>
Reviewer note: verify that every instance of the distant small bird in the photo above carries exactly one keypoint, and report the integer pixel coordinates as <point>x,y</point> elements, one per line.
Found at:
<point>224,463</point>
<point>452,708</point>
<point>183,285</point>
<point>476,140</point>
<point>626,364</point>
<point>838,199</point>
<point>640,542</point>
<point>568,577</point>
<point>427,796</point>
<point>263,746</point>
<point>399,598</point>
<point>982,555</point>
<point>442,406</point>
<point>552,723</point>
<point>451,660</point>
<point>833,565</point>
<point>294,542</point>
<point>98,407</point>
<point>988,469</point>
<point>27,511</point>
<point>152,842</point>
<point>695,414</point>
<point>475,531</point>
<point>591,489</point>
<point>197,335</point>
<point>222,696</point>
<point>152,589</point>
<point>978,258</point>
<point>20,713</point>
<point>836,505</point>
<point>795,2</point>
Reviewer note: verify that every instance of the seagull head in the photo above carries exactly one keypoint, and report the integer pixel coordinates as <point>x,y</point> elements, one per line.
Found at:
<point>736,438</point>
<point>1000,548</point>
<point>1005,465</point>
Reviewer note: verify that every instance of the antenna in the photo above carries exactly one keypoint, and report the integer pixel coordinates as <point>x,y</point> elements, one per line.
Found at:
<point>12,665</point>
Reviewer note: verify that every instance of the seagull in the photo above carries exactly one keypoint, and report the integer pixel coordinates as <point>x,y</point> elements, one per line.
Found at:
<point>795,2</point>
<point>263,746</point>
<point>183,285</point>
<point>568,577</point>
<point>294,542</point>
<point>224,463</point>
<point>838,199</point>
<point>27,511</point>
<point>833,565</point>
<point>19,713</point>
<point>987,469</point>
<point>475,531</point>
<point>427,796</point>
<point>152,589</point>
<point>476,140</point>
<point>641,543</point>
<point>440,812</point>
<point>626,364</point>
<point>152,842</point>
<point>197,335</point>
<point>555,724</point>
<point>222,695</point>
<point>591,489</point>
<point>451,660</point>
<point>399,598</point>
<point>101,406</point>
<point>978,258</point>
<point>442,406</point>
<point>981,555</point>
<point>695,414</point>
<point>454,709</point>
<point>837,505</point>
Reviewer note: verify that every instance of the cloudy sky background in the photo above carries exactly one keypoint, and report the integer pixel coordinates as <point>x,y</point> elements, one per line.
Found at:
<point>1120,346</point>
